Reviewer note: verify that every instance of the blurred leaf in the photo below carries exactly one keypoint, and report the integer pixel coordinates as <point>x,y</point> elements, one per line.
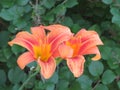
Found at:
<point>4,37</point>
<point>67,75</point>
<point>96,27</point>
<point>101,87</point>
<point>62,85</point>
<point>75,28</point>
<point>70,3</point>
<point>118,83</point>
<point>54,78</point>
<point>49,3</point>
<point>96,68</point>
<point>7,52</point>
<point>2,58</point>
<point>16,87</point>
<point>22,2</point>
<point>85,82</point>
<point>19,23</point>
<point>107,1</point>
<point>15,75</point>
<point>12,13</point>
<point>75,86</point>
<point>50,87</point>
<point>17,49</point>
<point>108,77</point>
<point>7,4</point>
<point>67,21</point>
<point>116,19</point>
<point>106,52</point>
<point>2,77</point>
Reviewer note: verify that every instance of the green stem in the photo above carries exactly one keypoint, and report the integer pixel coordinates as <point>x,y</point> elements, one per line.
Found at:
<point>29,78</point>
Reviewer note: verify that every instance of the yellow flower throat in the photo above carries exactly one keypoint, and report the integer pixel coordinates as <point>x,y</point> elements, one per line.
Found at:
<point>42,52</point>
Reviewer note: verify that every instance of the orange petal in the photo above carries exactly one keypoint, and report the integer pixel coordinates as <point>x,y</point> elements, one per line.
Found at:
<point>25,59</point>
<point>24,39</point>
<point>65,51</point>
<point>57,35</point>
<point>38,32</point>
<point>93,50</point>
<point>76,65</point>
<point>47,68</point>
<point>88,35</point>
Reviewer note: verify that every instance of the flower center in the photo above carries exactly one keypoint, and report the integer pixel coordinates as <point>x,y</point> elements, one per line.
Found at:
<point>75,44</point>
<point>42,52</point>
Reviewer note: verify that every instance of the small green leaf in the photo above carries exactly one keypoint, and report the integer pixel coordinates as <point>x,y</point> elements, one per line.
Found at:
<point>85,82</point>
<point>116,19</point>
<point>22,2</point>
<point>75,86</point>
<point>62,83</point>
<point>101,87</point>
<point>71,3</point>
<point>54,78</point>
<point>67,21</point>
<point>16,87</point>
<point>7,4</point>
<point>50,87</point>
<point>2,77</point>
<point>49,3</point>
<point>96,27</point>
<point>15,75</point>
<point>107,1</point>
<point>106,52</point>
<point>17,49</point>
<point>108,77</point>
<point>7,52</point>
<point>96,68</point>
<point>118,83</point>
<point>4,37</point>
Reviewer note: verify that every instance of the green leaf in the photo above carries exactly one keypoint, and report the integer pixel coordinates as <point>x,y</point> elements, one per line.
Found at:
<point>75,86</point>
<point>50,87</point>
<point>49,3</point>
<point>67,21</point>
<point>101,87</point>
<point>85,82</point>
<point>4,37</point>
<point>116,19</point>
<point>17,49</point>
<point>22,2</point>
<point>2,58</point>
<point>67,75</point>
<point>96,27</point>
<point>107,1</point>
<point>62,83</point>
<point>118,83</point>
<point>108,77</point>
<point>16,87</point>
<point>15,75</point>
<point>96,68</point>
<point>7,52</point>
<point>2,77</point>
<point>20,23</point>
<point>8,14</point>
<point>71,3</point>
<point>114,11</point>
<point>54,78</point>
<point>106,52</point>
<point>7,4</point>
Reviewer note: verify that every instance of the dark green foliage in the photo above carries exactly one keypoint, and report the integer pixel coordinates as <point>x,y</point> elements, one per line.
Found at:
<point>102,16</point>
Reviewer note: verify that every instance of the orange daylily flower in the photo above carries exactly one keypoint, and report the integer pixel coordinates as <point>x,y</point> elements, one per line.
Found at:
<point>41,46</point>
<point>83,43</point>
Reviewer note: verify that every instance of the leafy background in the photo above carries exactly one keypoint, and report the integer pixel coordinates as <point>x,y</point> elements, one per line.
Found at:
<point>102,16</point>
